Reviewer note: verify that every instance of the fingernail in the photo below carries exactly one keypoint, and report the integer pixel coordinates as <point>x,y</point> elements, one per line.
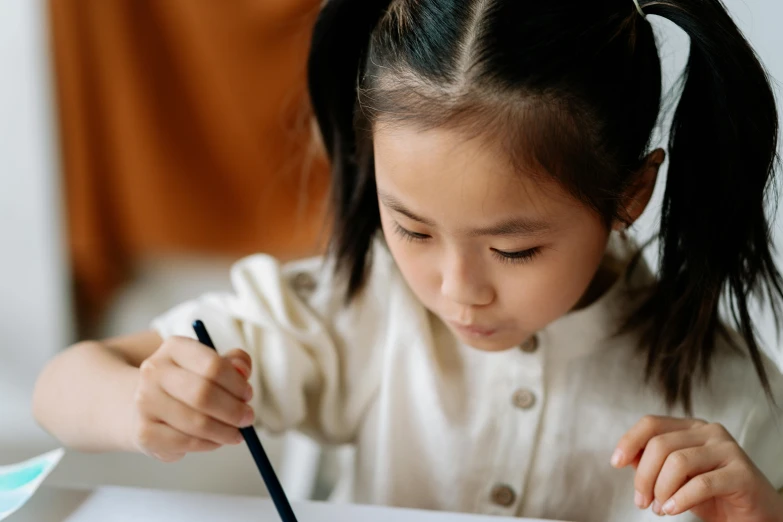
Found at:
<point>247,419</point>
<point>617,457</point>
<point>668,507</point>
<point>239,438</point>
<point>248,393</point>
<point>656,507</point>
<point>638,499</point>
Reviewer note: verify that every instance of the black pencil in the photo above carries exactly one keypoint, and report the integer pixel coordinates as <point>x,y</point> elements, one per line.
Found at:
<point>256,449</point>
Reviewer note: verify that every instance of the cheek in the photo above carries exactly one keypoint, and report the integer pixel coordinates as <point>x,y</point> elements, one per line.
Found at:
<point>551,286</point>
<point>411,260</point>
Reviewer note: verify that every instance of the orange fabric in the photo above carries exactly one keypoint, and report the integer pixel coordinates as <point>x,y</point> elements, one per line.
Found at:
<point>184,127</point>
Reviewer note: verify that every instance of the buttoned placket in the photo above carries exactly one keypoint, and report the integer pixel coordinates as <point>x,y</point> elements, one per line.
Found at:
<point>521,391</point>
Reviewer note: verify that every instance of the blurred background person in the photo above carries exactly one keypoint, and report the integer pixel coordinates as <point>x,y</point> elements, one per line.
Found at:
<point>185,130</point>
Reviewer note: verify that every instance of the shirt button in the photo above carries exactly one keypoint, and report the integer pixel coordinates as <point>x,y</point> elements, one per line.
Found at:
<point>303,282</point>
<point>503,495</point>
<point>530,345</point>
<point>523,399</point>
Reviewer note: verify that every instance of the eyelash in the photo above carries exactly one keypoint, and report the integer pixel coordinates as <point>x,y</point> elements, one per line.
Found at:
<point>407,235</point>
<point>523,256</point>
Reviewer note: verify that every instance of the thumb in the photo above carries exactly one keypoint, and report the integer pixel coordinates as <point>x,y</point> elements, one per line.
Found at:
<point>240,360</point>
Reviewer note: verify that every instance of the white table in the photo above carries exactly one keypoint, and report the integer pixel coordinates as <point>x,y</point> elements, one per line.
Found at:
<point>114,504</point>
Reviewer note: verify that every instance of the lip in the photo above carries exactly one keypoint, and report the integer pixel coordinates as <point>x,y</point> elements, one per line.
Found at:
<point>473,330</point>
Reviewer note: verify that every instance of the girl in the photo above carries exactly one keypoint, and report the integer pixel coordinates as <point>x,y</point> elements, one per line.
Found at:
<point>482,331</point>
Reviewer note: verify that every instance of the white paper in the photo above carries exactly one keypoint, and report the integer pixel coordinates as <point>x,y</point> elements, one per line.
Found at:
<point>18,482</point>
<point>113,504</point>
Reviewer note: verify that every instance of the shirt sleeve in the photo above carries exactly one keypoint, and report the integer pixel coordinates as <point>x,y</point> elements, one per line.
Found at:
<point>762,434</point>
<point>315,358</point>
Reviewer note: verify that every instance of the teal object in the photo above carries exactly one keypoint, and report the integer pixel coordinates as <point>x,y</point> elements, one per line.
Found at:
<point>22,477</point>
<point>18,482</point>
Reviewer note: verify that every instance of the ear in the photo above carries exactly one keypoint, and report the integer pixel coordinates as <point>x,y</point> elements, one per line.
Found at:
<point>638,195</point>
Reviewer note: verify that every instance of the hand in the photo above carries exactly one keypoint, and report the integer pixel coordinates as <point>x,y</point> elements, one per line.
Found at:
<point>190,399</point>
<point>687,464</point>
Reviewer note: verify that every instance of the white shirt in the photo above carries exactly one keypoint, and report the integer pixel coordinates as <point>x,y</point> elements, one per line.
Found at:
<point>440,425</point>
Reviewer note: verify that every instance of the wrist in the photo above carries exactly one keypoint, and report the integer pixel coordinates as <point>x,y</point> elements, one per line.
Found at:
<point>122,430</point>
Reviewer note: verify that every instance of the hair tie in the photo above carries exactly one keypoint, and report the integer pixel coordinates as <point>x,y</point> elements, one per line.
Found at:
<point>639,8</point>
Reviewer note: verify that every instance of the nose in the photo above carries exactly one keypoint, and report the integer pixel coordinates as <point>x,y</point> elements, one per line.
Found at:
<point>463,282</point>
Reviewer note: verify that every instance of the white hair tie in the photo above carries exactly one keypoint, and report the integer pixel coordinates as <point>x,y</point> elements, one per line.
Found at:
<point>639,8</point>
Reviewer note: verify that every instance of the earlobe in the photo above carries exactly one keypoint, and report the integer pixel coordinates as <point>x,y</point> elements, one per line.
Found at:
<point>655,159</point>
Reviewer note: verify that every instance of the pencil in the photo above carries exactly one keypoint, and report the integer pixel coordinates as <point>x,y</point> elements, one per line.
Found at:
<point>256,449</point>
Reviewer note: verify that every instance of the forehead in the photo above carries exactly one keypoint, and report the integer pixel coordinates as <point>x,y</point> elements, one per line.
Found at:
<point>459,181</point>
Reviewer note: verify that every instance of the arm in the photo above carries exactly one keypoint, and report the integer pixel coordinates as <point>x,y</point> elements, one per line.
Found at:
<point>315,360</point>
<point>139,393</point>
<point>83,386</point>
<point>164,394</point>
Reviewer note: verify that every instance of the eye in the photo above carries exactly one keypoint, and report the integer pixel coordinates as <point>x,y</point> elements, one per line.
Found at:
<point>523,256</point>
<point>409,236</point>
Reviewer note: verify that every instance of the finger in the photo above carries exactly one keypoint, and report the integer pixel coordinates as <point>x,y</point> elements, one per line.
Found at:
<point>186,420</point>
<point>241,361</point>
<point>206,397</point>
<point>654,456</point>
<point>685,464</point>
<point>700,489</point>
<point>204,361</point>
<point>157,438</point>
<point>634,441</point>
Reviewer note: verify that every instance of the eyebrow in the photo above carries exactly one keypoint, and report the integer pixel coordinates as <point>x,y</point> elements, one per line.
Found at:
<point>511,227</point>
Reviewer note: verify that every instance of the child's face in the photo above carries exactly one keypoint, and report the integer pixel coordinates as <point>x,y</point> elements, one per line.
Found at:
<point>496,255</point>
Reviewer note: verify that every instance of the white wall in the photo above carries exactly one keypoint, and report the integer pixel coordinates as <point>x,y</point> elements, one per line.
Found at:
<point>34,310</point>
<point>760,22</point>
<point>34,314</point>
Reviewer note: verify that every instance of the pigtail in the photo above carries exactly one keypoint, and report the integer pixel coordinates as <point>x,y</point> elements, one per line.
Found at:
<point>715,236</point>
<point>340,40</point>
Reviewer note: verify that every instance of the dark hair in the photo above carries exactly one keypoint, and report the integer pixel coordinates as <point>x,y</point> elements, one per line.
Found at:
<point>588,76</point>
